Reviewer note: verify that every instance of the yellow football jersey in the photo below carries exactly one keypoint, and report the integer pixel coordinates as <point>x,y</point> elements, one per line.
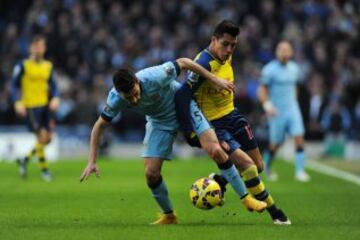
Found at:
<point>213,104</point>
<point>34,82</point>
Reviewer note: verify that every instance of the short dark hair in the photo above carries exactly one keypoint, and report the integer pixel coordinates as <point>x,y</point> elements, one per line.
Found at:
<point>37,37</point>
<point>226,26</point>
<point>124,80</point>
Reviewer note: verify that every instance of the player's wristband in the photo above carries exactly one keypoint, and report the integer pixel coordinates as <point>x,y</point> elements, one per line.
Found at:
<point>268,106</point>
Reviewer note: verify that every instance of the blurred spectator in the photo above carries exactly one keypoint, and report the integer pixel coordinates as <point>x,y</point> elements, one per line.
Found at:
<point>89,39</point>
<point>336,122</point>
<point>316,102</point>
<point>356,125</point>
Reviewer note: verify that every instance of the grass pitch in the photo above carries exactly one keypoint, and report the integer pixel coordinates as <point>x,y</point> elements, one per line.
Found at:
<point>118,205</point>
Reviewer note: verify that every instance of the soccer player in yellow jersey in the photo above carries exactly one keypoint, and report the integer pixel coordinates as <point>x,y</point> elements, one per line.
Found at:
<point>218,107</point>
<point>36,97</point>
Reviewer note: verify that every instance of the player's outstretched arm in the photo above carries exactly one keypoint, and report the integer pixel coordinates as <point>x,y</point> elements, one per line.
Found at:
<point>96,134</point>
<point>220,84</point>
<point>265,101</point>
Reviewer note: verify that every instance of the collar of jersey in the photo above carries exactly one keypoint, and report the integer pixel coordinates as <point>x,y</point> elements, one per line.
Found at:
<point>213,57</point>
<point>281,64</point>
<point>142,89</point>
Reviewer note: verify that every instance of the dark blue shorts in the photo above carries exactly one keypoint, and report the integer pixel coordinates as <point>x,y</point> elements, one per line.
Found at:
<point>39,118</point>
<point>235,130</point>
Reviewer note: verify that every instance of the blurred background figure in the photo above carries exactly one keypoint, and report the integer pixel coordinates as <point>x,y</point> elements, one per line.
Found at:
<point>35,97</point>
<point>279,100</point>
<point>336,122</point>
<point>87,40</point>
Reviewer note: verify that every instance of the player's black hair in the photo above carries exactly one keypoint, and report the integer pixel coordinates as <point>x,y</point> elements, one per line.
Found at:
<point>226,26</point>
<point>124,80</point>
<point>37,37</point>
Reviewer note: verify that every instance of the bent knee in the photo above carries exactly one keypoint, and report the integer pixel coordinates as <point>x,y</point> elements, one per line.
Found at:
<point>152,176</point>
<point>44,137</point>
<point>260,166</point>
<point>216,152</point>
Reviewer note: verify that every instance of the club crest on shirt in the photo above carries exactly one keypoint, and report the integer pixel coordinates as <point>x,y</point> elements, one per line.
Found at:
<point>169,70</point>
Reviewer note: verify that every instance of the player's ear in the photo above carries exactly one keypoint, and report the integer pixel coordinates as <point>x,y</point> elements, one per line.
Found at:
<point>213,39</point>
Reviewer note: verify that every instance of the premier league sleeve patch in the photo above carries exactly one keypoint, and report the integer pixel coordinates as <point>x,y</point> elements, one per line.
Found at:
<point>108,113</point>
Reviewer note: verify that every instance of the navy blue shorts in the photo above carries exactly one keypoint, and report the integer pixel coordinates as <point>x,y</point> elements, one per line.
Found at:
<point>235,130</point>
<point>39,118</point>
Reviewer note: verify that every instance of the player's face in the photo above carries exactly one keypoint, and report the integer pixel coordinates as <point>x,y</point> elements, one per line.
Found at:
<point>134,95</point>
<point>284,52</point>
<point>38,48</point>
<point>224,46</point>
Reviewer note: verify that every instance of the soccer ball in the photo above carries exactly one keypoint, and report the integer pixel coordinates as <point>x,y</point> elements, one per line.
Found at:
<point>206,194</point>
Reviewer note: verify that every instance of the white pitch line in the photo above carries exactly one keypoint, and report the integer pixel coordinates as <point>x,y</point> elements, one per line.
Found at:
<point>331,171</point>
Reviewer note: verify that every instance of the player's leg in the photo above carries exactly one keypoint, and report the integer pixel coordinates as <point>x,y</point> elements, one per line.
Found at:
<point>244,162</point>
<point>255,155</point>
<point>159,190</point>
<point>300,173</point>
<point>242,134</point>
<point>277,127</point>
<point>296,130</point>
<point>269,155</point>
<point>256,186</point>
<point>33,124</point>
<point>43,138</point>
<point>228,170</point>
<point>158,147</point>
<point>210,143</point>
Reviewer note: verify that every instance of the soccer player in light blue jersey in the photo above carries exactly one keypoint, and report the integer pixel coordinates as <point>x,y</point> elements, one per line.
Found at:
<point>277,94</point>
<point>151,92</point>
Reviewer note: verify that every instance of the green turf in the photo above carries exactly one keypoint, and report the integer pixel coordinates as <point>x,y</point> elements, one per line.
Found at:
<point>119,205</point>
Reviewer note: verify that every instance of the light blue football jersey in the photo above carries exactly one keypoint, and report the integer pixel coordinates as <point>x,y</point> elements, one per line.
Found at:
<point>281,81</point>
<point>158,86</point>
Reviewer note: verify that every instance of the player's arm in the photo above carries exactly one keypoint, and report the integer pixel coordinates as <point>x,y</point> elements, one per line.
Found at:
<point>263,96</point>
<point>19,106</point>
<point>112,108</point>
<point>267,105</point>
<point>220,84</point>
<point>54,93</point>
<point>96,135</point>
<point>263,92</point>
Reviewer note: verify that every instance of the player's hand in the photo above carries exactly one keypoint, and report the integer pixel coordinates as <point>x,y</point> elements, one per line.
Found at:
<point>90,168</point>
<point>222,85</point>
<point>225,146</point>
<point>54,104</point>
<point>20,109</point>
<point>269,108</point>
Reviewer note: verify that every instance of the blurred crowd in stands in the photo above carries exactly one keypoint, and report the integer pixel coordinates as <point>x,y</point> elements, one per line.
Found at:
<point>88,39</point>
